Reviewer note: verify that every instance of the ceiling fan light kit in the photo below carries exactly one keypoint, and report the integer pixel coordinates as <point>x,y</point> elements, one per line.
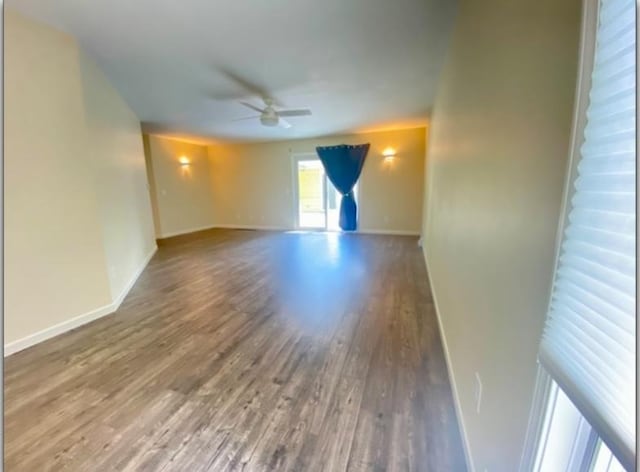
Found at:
<point>271,117</point>
<point>269,120</point>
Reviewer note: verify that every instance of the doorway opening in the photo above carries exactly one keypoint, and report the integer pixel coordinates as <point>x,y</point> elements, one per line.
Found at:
<point>317,202</point>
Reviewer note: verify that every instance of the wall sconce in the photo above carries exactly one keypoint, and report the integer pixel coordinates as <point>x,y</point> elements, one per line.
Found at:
<point>184,161</point>
<point>389,154</point>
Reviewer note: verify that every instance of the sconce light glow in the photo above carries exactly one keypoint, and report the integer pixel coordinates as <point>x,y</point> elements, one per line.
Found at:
<point>389,154</point>
<point>184,161</point>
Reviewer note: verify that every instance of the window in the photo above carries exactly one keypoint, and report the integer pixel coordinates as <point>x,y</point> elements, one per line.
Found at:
<point>589,340</point>
<point>568,442</point>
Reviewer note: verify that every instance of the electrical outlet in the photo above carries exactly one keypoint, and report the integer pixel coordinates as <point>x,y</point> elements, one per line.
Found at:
<point>478,392</point>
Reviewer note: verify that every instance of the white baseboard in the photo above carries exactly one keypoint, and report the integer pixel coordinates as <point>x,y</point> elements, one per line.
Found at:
<point>253,227</point>
<point>55,330</point>
<point>283,228</point>
<point>185,231</point>
<point>452,379</point>
<point>67,325</point>
<point>118,300</point>
<point>390,232</point>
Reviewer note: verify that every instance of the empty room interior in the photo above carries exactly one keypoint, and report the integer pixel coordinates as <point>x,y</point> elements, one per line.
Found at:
<point>291,235</point>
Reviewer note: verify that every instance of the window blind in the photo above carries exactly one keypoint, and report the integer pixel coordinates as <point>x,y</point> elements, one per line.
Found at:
<point>588,344</point>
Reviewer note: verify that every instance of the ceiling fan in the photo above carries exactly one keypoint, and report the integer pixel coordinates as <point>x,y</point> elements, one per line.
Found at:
<point>269,116</point>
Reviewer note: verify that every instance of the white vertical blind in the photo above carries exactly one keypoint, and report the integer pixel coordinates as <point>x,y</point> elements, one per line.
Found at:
<point>589,340</point>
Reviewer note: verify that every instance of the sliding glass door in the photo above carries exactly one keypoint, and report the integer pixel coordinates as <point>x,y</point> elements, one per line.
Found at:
<point>316,201</point>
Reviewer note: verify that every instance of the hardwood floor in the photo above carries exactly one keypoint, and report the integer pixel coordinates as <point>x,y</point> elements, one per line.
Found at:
<point>241,350</point>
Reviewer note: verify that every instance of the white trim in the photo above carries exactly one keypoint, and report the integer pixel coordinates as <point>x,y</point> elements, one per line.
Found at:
<point>185,231</point>
<point>390,232</point>
<point>253,227</point>
<point>452,379</point>
<point>68,325</point>
<point>55,330</point>
<point>538,421</point>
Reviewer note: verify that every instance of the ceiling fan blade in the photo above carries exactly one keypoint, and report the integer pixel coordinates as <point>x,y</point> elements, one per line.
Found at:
<point>249,105</point>
<point>253,89</point>
<point>247,118</point>
<point>284,124</point>
<point>302,112</point>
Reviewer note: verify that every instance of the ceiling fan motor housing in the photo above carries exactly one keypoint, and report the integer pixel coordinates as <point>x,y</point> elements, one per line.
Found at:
<point>269,117</point>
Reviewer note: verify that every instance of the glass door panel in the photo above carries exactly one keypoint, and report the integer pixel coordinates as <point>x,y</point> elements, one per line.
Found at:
<point>333,207</point>
<point>311,194</point>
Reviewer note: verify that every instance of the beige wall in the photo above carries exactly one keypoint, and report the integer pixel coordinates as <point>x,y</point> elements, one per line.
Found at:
<point>70,147</point>
<point>183,197</point>
<point>253,183</point>
<point>497,158</point>
<point>117,155</point>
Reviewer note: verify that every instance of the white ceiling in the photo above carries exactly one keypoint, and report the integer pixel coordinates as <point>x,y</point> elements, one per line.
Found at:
<point>357,64</point>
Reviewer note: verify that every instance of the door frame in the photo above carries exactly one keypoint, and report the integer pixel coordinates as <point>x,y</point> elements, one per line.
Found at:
<point>295,159</point>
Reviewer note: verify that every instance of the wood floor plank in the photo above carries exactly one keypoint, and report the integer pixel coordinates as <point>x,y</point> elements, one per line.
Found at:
<point>252,351</point>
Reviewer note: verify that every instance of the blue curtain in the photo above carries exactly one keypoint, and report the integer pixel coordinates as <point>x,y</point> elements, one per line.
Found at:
<point>343,165</point>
